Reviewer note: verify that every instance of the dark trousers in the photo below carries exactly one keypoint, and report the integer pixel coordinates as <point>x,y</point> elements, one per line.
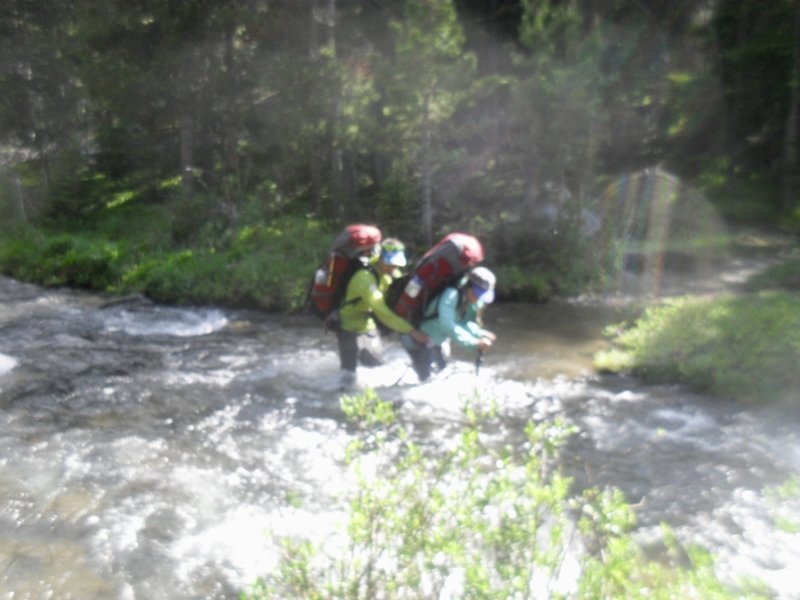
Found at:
<point>365,348</point>
<point>426,360</point>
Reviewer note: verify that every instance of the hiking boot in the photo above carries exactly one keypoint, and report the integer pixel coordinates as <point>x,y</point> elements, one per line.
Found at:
<point>347,380</point>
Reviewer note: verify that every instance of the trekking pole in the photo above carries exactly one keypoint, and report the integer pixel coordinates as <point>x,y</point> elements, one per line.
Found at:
<point>399,379</point>
<point>478,361</point>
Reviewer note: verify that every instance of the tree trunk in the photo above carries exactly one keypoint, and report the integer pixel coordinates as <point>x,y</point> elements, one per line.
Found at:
<point>313,30</point>
<point>337,186</point>
<point>316,177</point>
<point>378,154</point>
<point>187,176</point>
<point>790,184</point>
<point>23,215</point>
<point>350,177</point>
<point>314,165</point>
<point>427,204</point>
<point>230,124</point>
<point>44,161</point>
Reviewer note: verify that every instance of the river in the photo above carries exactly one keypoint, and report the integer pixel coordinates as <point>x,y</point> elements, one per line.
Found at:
<point>146,450</point>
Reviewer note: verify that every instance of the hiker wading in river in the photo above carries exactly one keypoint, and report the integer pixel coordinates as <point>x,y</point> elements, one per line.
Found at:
<point>356,331</point>
<point>454,314</point>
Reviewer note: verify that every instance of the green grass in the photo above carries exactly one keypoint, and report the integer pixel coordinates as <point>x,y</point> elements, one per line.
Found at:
<point>742,347</point>
<point>785,276</point>
<point>129,249</point>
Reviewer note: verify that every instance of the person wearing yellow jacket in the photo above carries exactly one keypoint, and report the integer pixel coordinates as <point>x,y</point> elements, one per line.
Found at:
<point>357,334</point>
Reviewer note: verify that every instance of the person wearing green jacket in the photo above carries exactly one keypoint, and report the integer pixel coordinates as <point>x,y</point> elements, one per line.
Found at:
<point>357,334</point>
<point>454,314</point>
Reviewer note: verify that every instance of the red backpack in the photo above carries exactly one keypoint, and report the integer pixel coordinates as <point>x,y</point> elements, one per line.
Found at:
<point>343,260</point>
<point>441,266</point>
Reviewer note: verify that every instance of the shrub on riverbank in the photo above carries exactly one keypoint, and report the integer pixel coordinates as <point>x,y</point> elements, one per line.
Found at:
<point>743,347</point>
<point>477,520</point>
<point>264,266</point>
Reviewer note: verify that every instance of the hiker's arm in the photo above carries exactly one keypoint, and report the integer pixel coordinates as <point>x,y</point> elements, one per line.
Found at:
<point>485,337</point>
<point>479,331</point>
<point>378,306</point>
<point>465,338</point>
<point>389,318</point>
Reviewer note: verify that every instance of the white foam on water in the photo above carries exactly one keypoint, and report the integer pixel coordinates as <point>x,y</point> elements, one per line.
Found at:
<point>242,544</point>
<point>759,550</point>
<point>178,322</point>
<point>215,378</point>
<point>384,376</point>
<point>7,363</point>
<point>686,426</point>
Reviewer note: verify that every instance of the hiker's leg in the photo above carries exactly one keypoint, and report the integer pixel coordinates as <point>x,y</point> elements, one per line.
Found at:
<point>348,349</point>
<point>370,349</point>
<point>421,361</point>
<point>420,357</point>
<point>438,358</point>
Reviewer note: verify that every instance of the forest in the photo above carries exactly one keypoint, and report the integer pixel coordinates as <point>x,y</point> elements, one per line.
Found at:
<point>197,150</point>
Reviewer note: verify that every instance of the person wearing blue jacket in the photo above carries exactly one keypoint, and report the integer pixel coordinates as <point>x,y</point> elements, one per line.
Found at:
<point>454,314</point>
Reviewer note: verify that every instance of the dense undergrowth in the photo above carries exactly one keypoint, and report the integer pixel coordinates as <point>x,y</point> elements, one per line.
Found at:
<point>265,266</point>
<point>260,263</point>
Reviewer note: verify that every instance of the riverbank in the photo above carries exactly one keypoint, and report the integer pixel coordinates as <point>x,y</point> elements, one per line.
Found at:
<point>742,344</point>
<point>135,252</point>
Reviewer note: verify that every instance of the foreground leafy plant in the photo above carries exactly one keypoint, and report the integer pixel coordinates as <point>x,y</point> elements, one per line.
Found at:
<point>476,520</point>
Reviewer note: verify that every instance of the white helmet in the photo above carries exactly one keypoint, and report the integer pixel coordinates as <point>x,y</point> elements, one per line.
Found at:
<point>482,281</point>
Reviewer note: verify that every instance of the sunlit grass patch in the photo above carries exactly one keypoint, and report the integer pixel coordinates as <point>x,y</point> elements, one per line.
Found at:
<point>746,348</point>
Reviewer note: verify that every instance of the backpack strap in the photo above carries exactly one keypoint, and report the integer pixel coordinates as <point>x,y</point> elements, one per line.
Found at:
<point>438,298</point>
